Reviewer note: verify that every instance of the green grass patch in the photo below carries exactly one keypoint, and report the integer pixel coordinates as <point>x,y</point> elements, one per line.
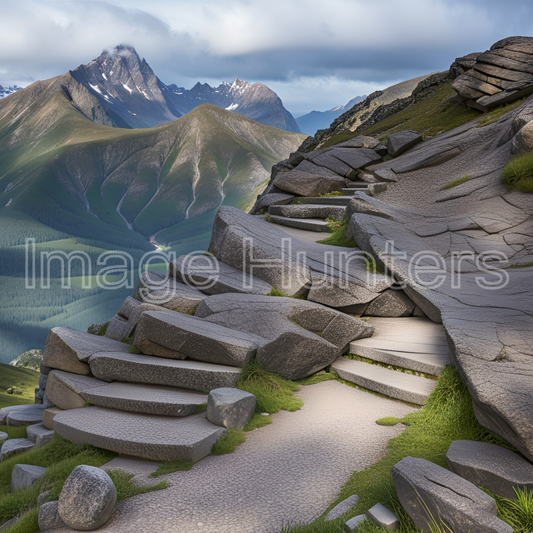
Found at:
<point>329,194</point>
<point>456,182</point>
<point>202,408</point>
<point>519,513</point>
<point>126,488</point>
<point>17,385</point>
<point>319,377</point>
<point>498,112</point>
<point>98,329</point>
<point>388,421</point>
<point>169,467</point>
<point>133,349</point>
<point>338,238</point>
<point>257,421</point>
<point>518,173</point>
<point>229,442</point>
<point>273,393</point>
<point>447,416</point>
<point>14,432</point>
<point>334,225</point>
<point>275,292</point>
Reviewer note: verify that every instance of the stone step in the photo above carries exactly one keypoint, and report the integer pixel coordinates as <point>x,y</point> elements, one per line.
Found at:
<point>335,212</point>
<point>146,399</point>
<point>347,191</point>
<point>147,369</point>
<point>159,438</point>
<point>13,446</point>
<point>21,415</point>
<point>406,387</point>
<point>326,200</point>
<point>310,224</point>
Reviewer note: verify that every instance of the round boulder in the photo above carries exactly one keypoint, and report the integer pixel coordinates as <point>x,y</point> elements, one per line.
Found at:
<point>87,499</point>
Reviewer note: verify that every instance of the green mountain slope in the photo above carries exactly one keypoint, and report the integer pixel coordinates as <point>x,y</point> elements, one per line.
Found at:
<point>21,383</point>
<point>71,182</point>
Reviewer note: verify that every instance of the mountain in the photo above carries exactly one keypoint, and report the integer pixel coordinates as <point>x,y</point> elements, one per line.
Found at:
<point>319,120</point>
<point>6,91</point>
<point>130,95</point>
<point>255,101</point>
<point>73,183</point>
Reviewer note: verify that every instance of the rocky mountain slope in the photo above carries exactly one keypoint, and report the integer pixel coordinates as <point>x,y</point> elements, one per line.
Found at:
<point>320,120</point>
<point>255,101</point>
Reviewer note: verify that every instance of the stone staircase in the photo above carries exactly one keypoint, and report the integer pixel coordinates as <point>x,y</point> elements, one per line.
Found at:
<point>414,344</point>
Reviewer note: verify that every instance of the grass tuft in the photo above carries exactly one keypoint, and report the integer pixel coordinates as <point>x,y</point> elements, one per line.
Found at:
<point>329,194</point>
<point>275,292</point>
<point>273,393</point>
<point>388,421</point>
<point>519,513</point>
<point>319,377</point>
<point>456,182</point>
<point>229,442</point>
<point>126,488</point>
<point>169,467</point>
<point>339,237</point>
<point>518,173</point>
<point>134,349</point>
<point>498,112</point>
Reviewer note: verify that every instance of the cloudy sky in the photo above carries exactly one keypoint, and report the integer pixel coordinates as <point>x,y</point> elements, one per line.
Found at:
<point>315,54</point>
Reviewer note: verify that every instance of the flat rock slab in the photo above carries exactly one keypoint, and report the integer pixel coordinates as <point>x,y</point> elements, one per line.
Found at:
<point>398,143</point>
<point>391,303</point>
<point>40,435</point>
<point>406,387</point>
<point>491,467</point>
<point>309,224</point>
<point>425,488</point>
<point>214,277</point>
<point>354,523</point>
<point>64,389</point>
<point>341,508</point>
<point>14,446</point>
<point>146,436</point>
<point>146,369</point>
<point>147,399</point>
<point>24,476</point>
<point>68,349</point>
<point>294,483</point>
<point>192,337</point>
<point>308,211</point>
<point>21,415</point>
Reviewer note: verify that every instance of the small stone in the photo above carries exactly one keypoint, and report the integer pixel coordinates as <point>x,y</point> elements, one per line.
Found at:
<point>383,517</point>
<point>40,435</point>
<point>87,499</point>
<point>400,142</point>
<point>230,408</point>
<point>13,446</point>
<point>3,437</point>
<point>354,522</point>
<point>24,476</point>
<point>341,508</point>
<point>49,517</point>
<point>43,498</point>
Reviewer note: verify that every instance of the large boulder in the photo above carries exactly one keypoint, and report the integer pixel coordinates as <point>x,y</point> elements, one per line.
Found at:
<point>429,492</point>
<point>332,275</point>
<point>398,143</point>
<point>491,467</point>
<point>68,349</point>
<point>230,408</point>
<point>87,499</point>
<point>214,277</point>
<point>499,76</point>
<point>183,336</point>
<point>300,337</point>
<point>65,389</point>
<point>309,184</point>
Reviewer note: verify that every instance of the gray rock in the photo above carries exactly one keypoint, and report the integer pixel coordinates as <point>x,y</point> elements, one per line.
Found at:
<point>43,378</point>
<point>334,212</point>
<point>46,402</point>
<point>158,438</point>
<point>87,498</point>
<point>136,315</point>
<point>40,435</point>
<point>300,337</point>
<point>39,395</point>
<point>360,141</point>
<point>342,508</point>
<point>3,437</point>
<point>214,277</point>
<point>166,292</point>
<point>383,517</point>
<point>45,370</point>
<point>25,476</point>
<point>376,188</point>
<point>358,158</point>
<point>48,417</point>
<point>64,389</point>
<point>13,446</point>
<point>193,375</point>
<point>308,179</point>
<point>128,306</point>
<point>390,303</point>
<point>21,415</point>
<point>9,523</point>
<point>264,202</point>
<point>398,143</point>
<point>115,329</point>
<point>49,517</point>
<point>329,161</point>
<point>43,498</point>
<point>385,174</point>
<point>230,408</point>
<point>424,487</point>
<point>189,336</point>
<point>69,350</point>
<point>491,467</point>
<point>354,522</point>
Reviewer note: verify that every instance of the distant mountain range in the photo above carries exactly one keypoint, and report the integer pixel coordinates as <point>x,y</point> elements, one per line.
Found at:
<point>71,182</point>
<point>132,96</point>
<point>320,120</point>
<point>6,91</point>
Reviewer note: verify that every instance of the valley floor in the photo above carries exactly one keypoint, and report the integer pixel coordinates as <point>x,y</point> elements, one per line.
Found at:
<point>284,473</point>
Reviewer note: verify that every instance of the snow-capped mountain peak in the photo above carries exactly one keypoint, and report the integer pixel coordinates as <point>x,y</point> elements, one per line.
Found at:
<point>7,90</point>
